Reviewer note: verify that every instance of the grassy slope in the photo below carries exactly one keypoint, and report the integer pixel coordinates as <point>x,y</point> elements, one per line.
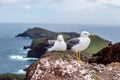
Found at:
<point>96,45</point>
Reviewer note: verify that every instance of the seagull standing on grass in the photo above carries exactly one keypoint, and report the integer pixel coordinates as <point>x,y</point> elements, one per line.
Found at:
<point>59,44</point>
<point>79,44</point>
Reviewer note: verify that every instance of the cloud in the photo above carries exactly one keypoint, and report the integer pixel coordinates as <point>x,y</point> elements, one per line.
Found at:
<point>68,5</point>
<point>8,2</point>
<point>28,6</point>
<point>78,5</point>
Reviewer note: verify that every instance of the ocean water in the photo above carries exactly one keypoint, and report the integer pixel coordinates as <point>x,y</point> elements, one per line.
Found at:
<point>12,56</point>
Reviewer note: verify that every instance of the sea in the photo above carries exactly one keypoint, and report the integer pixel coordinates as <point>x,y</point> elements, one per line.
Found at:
<point>13,57</point>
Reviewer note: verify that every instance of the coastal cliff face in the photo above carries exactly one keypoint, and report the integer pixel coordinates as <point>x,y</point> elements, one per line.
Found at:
<point>63,66</point>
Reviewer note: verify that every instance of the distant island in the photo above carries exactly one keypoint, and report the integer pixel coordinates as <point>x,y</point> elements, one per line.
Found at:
<point>44,33</point>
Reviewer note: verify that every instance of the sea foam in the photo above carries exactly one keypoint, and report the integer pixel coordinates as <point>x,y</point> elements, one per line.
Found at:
<point>21,71</point>
<point>19,57</point>
<point>24,51</point>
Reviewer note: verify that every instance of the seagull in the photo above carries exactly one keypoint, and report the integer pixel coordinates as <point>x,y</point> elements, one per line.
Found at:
<point>79,44</point>
<point>58,45</point>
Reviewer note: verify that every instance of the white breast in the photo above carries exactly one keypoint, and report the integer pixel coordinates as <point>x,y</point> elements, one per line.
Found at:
<point>58,46</point>
<point>83,44</point>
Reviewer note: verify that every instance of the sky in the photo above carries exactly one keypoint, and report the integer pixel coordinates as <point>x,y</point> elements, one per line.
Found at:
<point>60,11</point>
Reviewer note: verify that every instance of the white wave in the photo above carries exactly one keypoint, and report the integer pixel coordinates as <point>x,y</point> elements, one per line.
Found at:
<point>26,66</point>
<point>19,57</point>
<point>28,49</point>
<point>24,51</point>
<point>21,71</point>
<point>21,48</point>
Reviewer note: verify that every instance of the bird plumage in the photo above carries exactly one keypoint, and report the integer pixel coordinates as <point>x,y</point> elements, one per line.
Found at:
<point>59,44</point>
<point>79,44</point>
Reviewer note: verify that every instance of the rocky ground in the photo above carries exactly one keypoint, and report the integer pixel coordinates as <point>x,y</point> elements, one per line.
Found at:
<point>63,66</point>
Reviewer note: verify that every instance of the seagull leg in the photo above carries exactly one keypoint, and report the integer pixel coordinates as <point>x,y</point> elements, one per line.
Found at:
<point>79,59</point>
<point>76,56</point>
<point>79,56</point>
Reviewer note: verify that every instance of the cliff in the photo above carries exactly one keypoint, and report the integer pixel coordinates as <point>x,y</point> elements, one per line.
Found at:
<point>63,66</point>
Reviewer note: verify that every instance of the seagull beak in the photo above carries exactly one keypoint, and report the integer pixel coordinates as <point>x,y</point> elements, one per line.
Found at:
<point>91,35</point>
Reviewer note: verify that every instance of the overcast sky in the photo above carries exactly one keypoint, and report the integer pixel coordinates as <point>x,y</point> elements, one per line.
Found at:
<point>60,11</point>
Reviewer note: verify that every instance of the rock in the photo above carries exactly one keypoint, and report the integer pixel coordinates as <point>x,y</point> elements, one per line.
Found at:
<point>26,47</point>
<point>109,54</point>
<point>63,66</point>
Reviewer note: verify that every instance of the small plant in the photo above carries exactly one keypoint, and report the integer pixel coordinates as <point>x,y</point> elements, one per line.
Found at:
<point>61,54</point>
<point>95,77</point>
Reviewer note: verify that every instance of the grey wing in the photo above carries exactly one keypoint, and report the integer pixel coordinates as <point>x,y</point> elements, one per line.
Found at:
<point>72,42</point>
<point>51,42</point>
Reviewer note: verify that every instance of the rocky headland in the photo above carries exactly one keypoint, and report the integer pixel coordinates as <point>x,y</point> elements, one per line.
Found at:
<point>37,47</point>
<point>44,33</point>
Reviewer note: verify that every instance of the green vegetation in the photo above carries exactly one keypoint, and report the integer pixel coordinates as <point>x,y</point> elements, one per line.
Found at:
<point>61,54</point>
<point>66,36</point>
<point>36,42</point>
<point>9,76</point>
<point>96,45</point>
<point>95,77</point>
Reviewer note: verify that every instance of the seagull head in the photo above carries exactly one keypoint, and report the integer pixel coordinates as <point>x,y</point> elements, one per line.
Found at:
<point>86,34</point>
<point>60,38</point>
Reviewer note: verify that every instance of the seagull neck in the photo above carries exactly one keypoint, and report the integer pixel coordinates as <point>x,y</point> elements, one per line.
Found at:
<point>83,37</point>
<point>61,40</point>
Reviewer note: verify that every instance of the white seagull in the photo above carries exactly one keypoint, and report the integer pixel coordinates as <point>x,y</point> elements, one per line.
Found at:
<point>79,44</point>
<point>58,45</point>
